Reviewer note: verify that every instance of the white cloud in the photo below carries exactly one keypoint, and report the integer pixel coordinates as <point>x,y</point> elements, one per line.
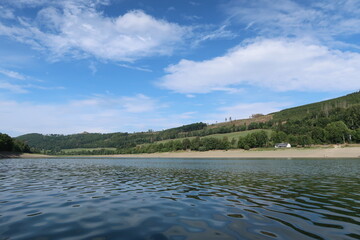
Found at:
<point>24,88</point>
<point>138,104</point>
<point>6,13</point>
<point>39,3</point>
<point>93,114</point>
<point>14,88</point>
<point>185,115</point>
<point>324,19</point>
<point>276,64</point>
<point>245,110</point>
<point>143,69</point>
<point>12,84</point>
<point>218,33</point>
<point>93,68</point>
<point>79,30</point>
<point>12,74</point>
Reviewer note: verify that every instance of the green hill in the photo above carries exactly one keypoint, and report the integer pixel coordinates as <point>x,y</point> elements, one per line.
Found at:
<point>300,112</point>
<point>57,142</point>
<point>318,122</point>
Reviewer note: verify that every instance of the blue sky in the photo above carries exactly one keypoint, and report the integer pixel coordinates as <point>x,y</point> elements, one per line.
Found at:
<point>124,65</point>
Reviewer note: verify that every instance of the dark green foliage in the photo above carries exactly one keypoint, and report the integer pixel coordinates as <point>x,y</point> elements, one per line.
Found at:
<point>261,138</point>
<point>195,144</point>
<point>332,127</point>
<point>20,146</point>
<point>356,135</point>
<point>304,140</point>
<point>321,109</point>
<point>56,142</point>
<point>191,127</point>
<point>279,137</point>
<point>186,144</point>
<point>233,142</point>
<point>225,144</point>
<point>253,125</point>
<point>9,144</point>
<point>6,142</point>
<point>337,132</point>
<point>318,135</point>
<point>253,140</point>
<point>293,139</point>
<point>242,143</point>
<point>352,117</point>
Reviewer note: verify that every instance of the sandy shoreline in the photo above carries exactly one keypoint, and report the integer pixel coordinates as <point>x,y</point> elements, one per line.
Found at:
<point>348,152</point>
<point>331,152</point>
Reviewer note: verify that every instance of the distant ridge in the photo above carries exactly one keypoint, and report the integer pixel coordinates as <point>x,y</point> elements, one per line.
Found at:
<point>110,141</point>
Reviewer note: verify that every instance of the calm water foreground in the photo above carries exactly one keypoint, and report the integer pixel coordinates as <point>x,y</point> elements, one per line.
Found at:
<point>178,199</point>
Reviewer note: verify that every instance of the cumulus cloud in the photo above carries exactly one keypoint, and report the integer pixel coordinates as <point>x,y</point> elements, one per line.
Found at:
<point>275,64</point>
<point>79,30</point>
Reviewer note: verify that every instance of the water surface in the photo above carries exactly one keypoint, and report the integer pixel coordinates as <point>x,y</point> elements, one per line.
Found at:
<point>179,199</point>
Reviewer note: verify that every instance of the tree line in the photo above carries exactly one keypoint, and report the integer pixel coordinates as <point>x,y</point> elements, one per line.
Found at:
<point>56,142</point>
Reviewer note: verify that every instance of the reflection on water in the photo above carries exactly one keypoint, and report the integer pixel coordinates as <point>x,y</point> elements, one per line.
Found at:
<point>179,199</point>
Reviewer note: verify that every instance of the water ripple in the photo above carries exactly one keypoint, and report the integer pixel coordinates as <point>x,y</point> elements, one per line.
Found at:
<point>179,199</point>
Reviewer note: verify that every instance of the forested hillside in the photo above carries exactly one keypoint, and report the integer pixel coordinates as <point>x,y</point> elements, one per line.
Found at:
<point>332,121</point>
<point>56,142</point>
<point>324,107</point>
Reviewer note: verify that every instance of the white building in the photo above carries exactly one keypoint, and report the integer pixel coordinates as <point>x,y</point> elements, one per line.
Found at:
<point>283,145</point>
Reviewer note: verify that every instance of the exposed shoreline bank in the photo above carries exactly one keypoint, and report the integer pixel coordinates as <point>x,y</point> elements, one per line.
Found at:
<point>346,152</point>
<point>23,155</point>
<point>321,152</point>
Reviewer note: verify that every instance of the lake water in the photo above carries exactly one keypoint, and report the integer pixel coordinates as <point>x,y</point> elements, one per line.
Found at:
<point>178,199</point>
